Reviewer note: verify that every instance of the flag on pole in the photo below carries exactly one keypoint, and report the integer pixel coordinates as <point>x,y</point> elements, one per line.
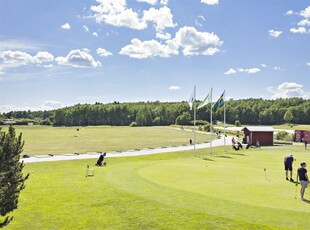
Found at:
<point>191,100</point>
<point>220,101</point>
<point>206,101</point>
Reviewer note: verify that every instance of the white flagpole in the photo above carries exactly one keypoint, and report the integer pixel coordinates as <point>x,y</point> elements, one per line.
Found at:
<point>211,124</point>
<point>194,104</point>
<point>224,121</point>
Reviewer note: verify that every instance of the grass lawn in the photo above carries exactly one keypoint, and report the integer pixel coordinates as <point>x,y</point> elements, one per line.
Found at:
<point>293,127</point>
<point>167,191</point>
<point>41,140</point>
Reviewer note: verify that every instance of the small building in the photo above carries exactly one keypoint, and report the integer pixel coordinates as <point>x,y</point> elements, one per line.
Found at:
<point>264,134</point>
<point>302,134</point>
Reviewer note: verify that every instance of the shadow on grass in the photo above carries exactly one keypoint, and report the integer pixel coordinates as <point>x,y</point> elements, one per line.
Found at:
<point>239,154</point>
<point>207,159</point>
<point>222,156</point>
<point>306,201</point>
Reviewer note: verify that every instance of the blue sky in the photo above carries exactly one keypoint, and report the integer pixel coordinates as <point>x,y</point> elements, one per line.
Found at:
<point>60,53</point>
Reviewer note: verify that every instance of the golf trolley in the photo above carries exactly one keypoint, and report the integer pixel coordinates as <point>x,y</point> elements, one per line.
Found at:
<point>100,161</point>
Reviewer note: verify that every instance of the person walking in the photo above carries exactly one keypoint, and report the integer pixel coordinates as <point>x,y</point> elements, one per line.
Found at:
<point>288,166</point>
<point>303,177</point>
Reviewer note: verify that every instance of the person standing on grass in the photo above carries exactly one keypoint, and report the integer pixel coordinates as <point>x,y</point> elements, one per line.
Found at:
<point>288,166</point>
<point>303,177</point>
<point>305,142</point>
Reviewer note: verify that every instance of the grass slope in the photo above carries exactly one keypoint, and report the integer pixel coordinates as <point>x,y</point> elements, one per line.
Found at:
<point>40,140</point>
<point>166,191</point>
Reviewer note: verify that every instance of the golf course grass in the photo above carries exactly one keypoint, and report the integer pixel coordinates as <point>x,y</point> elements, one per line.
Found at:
<point>243,189</point>
<point>42,140</point>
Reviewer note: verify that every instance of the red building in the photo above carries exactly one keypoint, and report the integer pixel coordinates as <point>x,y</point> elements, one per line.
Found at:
<point>300,134</point>
<point>263,134</point>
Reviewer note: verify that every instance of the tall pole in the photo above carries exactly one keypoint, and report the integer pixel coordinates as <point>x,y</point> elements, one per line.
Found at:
<point>224,120</point>
<point>211,130</point>
<point>194,104</point>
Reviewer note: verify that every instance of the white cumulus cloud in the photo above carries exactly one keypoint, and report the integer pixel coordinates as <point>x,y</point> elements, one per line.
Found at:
<point>191,41</point>
<point>275,33</point>
<point>86,29</point>
<point>250,70</point>
<point>103,53</point>
<point>164,2</point>
<point>13,59</point>
<point>174,87</point>
<point>151,2</point>
<point>66,26</point>
<point>163,36</point>
<point>16,58</point>
<point>78,58</point>
<point>210,2</point>
<point>299,30</point>
<point>289,12</point>
<point>116,13</point>
<point>278,68</point>
<point>242,70</point>
<point>197,43</point>
<point>43,57</point>
<point>152,48</point>
<point>304,24</point>
<point>200,20</point>
<point>230,71</point>
<point>50,105</point>
<point>287,90</point>
<point>305,13</point>
<point>161,18</point>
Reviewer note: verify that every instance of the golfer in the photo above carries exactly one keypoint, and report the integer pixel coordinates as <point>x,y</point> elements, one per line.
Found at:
<point>303,177</point>
<point>288,166</point>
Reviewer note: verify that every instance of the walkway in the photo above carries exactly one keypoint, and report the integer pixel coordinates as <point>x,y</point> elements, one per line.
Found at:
<point>95,155</point>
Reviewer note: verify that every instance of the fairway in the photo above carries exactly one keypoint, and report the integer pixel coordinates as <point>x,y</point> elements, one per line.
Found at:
<point>42,140</point>
<point>229,190</point>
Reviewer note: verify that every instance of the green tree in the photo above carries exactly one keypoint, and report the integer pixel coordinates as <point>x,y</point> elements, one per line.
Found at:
<point>237,123</point>
<point>11,176</point>
<point>183,119</point>
<point>288,116</point>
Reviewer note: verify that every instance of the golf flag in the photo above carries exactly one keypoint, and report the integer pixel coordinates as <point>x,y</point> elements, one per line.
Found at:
<point>220,101</point>
<point>191,100</point>
<point>205,101</point>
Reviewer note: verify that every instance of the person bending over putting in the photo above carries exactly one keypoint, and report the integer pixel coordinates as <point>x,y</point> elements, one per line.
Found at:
<point>288,166</point>
<point>303,177</point>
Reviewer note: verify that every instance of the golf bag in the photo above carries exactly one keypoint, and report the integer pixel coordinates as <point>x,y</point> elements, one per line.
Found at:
<point>240,145</point>
<point>101,159</point>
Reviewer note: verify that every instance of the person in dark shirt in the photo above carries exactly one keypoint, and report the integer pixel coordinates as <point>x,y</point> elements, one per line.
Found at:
<point>288,166</point>
<point>303,177</point>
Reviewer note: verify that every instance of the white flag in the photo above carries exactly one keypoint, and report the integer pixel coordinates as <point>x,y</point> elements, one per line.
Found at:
<point>191,100</point>
<point>205,101</point>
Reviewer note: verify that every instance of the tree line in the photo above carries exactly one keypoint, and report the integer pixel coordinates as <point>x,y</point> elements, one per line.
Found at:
<point>246,111</point>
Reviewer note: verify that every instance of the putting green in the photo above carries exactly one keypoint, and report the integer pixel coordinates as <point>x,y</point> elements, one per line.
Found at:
<point>236,186</point>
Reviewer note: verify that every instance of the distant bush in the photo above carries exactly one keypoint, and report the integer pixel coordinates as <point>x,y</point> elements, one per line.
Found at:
<point>133,124</point>
<point>207,127</point>
<point>284,136</point>
<point>200,122</point>
<point>237,123</point>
